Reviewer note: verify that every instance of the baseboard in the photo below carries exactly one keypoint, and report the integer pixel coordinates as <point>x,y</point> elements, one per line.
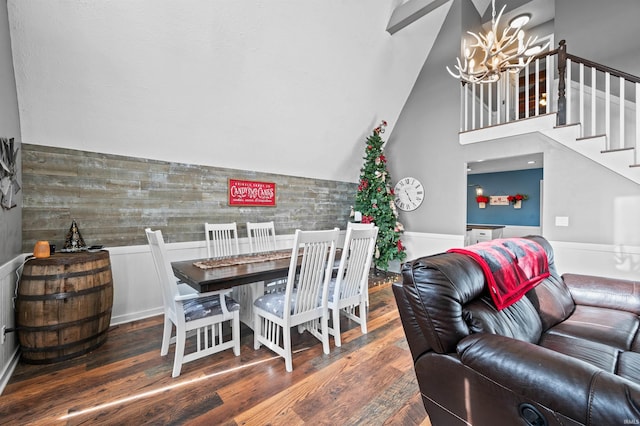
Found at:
<point>9,350</point>
<point>7,372</point>
<point>135,316</point>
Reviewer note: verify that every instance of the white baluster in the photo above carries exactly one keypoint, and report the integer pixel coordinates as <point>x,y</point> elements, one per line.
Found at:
<point>594,87</point>
<point>621,143</point>
<point>581,99</point>
<point>568,92</point>
<point>607,109</point>
<point>635,142</point>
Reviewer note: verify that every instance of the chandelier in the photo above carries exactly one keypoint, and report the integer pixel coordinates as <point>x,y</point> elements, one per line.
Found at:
<point>498,53</point>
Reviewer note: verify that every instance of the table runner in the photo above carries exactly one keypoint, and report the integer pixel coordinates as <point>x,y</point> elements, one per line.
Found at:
<point>242,259</point>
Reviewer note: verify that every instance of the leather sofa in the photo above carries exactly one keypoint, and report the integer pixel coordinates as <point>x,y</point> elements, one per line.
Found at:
<point>568,353</point>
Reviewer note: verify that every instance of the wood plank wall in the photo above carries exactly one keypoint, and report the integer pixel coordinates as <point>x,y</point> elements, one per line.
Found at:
<point>113,198</point>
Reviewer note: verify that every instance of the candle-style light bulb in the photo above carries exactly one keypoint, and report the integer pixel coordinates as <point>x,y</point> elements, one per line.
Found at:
<point>520,41</point>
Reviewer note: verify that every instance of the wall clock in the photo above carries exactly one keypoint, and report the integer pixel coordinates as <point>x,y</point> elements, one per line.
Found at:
<point>409,194</point>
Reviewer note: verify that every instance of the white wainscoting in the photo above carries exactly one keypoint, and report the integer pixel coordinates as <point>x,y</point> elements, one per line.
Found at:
<point>607,260</point>
<point>421,244</point>
<point>136,292</point>
<point>9,349</point>
<point>615,261</point>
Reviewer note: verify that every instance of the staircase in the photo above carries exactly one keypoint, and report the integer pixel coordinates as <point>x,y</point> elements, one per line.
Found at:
<point>599,103</point>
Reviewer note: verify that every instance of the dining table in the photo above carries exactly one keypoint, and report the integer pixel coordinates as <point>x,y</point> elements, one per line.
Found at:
<point>245,275</point>
<point>207,275</point>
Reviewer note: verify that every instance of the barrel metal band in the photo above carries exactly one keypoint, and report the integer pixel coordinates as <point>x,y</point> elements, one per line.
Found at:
<point>66,295</point>
<point>65,346</point>
<point>56,327</point>
<point>66,274</point>
<point>63,357</point>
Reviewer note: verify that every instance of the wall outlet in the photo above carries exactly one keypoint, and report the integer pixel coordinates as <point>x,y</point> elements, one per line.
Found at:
<point>3,334</point>
<point>562,220</point>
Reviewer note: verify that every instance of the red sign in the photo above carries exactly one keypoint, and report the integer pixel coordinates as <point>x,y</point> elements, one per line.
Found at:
<point>251,193</point>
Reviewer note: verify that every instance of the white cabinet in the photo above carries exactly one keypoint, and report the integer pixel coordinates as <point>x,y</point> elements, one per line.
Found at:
<point>484,233</point>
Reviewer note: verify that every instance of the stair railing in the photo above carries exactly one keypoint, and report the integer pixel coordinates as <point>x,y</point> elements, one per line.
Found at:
<point>602,100</point>
<point>513,97</point>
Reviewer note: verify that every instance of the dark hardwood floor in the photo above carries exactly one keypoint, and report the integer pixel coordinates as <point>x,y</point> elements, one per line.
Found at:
<point>367,381</point>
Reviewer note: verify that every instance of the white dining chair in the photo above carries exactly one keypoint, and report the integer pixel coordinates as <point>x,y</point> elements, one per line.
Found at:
<point>262,236</point>
<point>262,239</point>
<point>358,225</point>
<point>304,301</point>
<point>221,239</point>
<point>348,291</point>
<point>190,311</point>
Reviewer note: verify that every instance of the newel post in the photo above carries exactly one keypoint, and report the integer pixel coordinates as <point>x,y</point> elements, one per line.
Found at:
<point>562,72</point>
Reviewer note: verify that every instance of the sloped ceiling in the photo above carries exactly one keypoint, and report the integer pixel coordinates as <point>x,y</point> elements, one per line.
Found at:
<point>281,87</point>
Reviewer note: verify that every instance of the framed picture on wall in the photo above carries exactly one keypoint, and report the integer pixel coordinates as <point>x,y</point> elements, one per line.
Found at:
<point>251,193</point>
<point>499,200</point>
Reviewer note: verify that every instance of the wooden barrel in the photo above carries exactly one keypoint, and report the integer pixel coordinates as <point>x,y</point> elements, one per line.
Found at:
<point>63,306</point>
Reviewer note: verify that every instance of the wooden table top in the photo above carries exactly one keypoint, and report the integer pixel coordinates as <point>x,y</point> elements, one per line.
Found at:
<point>223,277</point>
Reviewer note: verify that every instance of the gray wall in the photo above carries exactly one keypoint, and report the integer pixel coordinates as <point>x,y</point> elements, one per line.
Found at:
<point>424,142</point>
<point>600,204</point>
<point>602,31</point>
<point>10,220</point>
<point>113,198</point>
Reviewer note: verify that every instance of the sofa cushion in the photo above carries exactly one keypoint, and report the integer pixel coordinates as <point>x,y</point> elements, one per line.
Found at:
<point>551,297</point>
<point>519,321</point>
<point>607,326</point>
<point>596,354</point>
<point>437,287</point>
<point>552,300</point>
<point>629,366</point>
<point>622,295</point>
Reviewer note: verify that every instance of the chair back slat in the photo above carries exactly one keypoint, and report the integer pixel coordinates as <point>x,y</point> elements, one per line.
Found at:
<point>221,239</point>
<point>163,268</point>
<point>311,282</point>
<point>357,225</point>
<point>262,236</point>
<point>353,272</point>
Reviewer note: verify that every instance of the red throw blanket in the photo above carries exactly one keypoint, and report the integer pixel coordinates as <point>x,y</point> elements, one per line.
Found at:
<point>512,266</point>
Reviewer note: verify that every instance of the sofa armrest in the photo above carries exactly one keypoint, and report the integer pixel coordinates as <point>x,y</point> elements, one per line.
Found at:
<point>604,292</point>
<point>565,385</point>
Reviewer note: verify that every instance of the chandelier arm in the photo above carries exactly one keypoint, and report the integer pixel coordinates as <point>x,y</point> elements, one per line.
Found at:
<point>495,22</point>
<point>461,68</point>
<point>503,51</point>
<point>459,76</point>
<point>506,44</point>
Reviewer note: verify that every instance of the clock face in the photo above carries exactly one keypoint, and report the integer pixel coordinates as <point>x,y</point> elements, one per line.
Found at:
<point>409,194</point>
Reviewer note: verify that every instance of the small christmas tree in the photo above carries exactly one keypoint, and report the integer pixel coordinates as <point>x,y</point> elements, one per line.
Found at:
<point>375,200</point>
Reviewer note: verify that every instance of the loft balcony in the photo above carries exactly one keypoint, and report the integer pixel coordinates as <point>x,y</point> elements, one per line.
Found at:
<point>588,107</point>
